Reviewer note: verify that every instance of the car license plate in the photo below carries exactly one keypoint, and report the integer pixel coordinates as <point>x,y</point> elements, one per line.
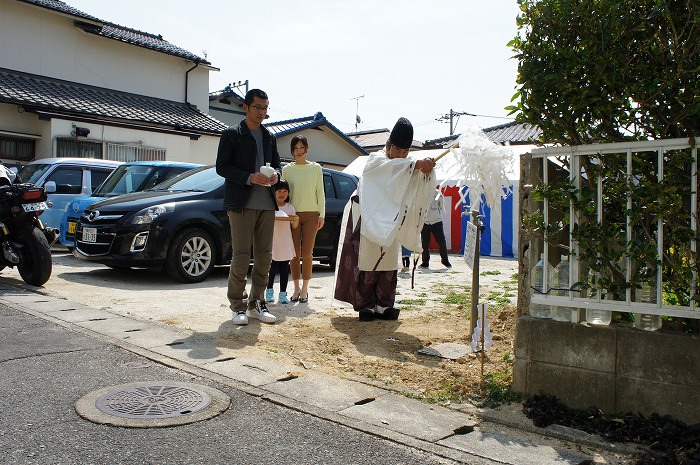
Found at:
<point>35,207</point>
<point>89,234</point>
<point>71,227</point>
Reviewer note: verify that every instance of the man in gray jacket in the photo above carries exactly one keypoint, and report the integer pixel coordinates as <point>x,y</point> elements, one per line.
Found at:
<point>250,202</point>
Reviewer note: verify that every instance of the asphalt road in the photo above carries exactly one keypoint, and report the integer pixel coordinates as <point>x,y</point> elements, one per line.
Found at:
<point>46,368</point>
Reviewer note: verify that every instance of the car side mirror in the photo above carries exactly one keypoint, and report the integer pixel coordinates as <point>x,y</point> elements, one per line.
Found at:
<point>50,187</point>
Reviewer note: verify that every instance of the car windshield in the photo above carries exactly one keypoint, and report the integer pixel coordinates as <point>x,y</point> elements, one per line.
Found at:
<point>201,179</point>
<point>130,178</point>
<point>32,172</point>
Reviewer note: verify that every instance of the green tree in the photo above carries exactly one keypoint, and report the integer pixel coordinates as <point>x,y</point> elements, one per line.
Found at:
<point>608,70</point>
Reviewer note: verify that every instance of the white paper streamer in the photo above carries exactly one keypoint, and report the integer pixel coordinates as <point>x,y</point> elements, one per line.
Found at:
<point>480,165</point>
<point>476,335</point>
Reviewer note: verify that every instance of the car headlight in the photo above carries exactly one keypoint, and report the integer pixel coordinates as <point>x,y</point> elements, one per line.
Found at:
<point>147,215</point>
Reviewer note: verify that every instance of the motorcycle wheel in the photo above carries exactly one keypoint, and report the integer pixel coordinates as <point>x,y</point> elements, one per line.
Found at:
<point>35,261</point>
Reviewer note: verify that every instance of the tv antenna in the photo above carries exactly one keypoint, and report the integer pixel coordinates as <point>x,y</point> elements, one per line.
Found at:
<point>358,120</point>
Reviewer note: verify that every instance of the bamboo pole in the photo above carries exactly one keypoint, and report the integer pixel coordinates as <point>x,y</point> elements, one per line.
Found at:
<point>436,159</point>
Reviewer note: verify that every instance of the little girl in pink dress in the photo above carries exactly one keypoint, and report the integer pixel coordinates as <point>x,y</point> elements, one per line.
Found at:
<point>282,243</point>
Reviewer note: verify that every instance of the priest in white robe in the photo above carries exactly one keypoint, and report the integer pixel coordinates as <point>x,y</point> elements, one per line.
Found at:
<point>385,212</point>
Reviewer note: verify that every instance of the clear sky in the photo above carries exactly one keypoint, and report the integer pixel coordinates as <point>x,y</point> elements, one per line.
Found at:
<point>412,58</point>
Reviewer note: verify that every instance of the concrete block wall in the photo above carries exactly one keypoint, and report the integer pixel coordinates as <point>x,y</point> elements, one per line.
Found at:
<point>616,368</point>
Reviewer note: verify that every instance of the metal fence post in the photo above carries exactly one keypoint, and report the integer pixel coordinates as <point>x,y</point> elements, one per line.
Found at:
<point>476,220</point>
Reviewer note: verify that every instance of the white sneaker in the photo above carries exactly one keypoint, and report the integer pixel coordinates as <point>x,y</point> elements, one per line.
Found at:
<point>240,318</point>
<point>258,309</point>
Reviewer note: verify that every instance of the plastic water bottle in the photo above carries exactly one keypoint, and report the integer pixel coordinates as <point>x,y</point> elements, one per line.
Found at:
<point>561,282</point>
<point>537,282</point>
<point>641,320</point>
<point>598,317</point>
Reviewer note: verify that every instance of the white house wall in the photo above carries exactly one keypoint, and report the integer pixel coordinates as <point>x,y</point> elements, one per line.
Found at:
<point>177,148</point>
<point>324,146</point>
<point>48,44</point>
<point>204,150</point>
<point>228,114</point>
<point>14,119</point>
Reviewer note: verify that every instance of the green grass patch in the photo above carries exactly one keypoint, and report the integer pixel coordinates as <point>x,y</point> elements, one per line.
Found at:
<point>457,298</point>
<point>448,392</point>
<point>490,273</point>
<point>497,300</point>
<point>497,389</point>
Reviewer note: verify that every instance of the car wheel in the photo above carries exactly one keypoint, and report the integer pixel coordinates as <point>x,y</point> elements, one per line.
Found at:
<point>191,256</point>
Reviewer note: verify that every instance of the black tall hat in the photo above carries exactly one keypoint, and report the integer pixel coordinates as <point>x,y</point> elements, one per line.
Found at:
<point>402,134</point>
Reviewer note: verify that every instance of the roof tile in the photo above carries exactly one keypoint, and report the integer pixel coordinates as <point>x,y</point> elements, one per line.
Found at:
<point>282,128</point>
<point>513,133</point>
<point>48,94</point>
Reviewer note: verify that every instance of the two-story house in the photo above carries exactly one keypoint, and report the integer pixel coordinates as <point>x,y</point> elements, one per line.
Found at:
<point>74,85</point>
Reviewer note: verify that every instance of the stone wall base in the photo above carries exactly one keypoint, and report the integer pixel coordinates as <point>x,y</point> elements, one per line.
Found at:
<point>616,368</point>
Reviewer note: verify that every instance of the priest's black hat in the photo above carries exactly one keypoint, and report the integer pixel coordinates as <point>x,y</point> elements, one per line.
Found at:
<point>402,134</point>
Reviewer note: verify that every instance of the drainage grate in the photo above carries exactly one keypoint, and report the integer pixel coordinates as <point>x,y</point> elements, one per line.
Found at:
<point>152,404</point>
<point>159,401</point>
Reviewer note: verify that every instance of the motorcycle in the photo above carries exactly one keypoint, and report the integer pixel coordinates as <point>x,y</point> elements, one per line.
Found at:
<point>24,241</point>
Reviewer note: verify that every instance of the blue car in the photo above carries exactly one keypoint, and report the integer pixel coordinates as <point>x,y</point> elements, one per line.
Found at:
<point>128,177</point>
<point>65,179</point>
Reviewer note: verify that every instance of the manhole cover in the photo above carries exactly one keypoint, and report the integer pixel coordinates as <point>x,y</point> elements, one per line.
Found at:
<point>153,404</point>
<point>153,401</point>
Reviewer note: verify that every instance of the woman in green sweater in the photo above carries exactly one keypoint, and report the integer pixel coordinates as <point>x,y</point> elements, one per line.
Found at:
<point>305,180</point>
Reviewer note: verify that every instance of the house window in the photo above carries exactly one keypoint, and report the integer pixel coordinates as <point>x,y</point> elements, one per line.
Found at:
<point>78,148</point>
<point>17,148</point>
<point>125,153</point>
<point>108,150</point>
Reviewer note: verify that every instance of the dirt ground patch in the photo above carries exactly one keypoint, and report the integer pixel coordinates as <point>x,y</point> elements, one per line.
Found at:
<point>325,334</point>
<point>385,353</point>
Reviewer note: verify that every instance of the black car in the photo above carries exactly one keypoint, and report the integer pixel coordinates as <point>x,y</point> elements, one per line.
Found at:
<point>181,226</point>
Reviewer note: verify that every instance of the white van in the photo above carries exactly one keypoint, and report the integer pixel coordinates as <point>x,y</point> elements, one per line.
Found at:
<point>65,179</point>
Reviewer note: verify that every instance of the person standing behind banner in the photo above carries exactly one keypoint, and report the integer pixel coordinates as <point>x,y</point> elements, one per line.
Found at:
<point>385,212</point>
<point>305,180</point>
<point>250,203</point>
<point>405,260</point>
<point>433,225</point>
